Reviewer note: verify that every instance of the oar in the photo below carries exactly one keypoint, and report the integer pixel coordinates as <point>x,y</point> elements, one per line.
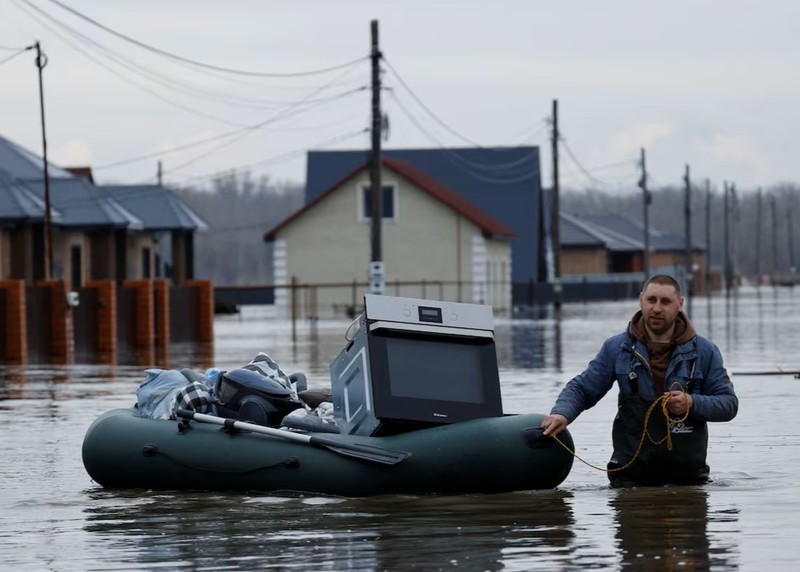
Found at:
<point>366,452</point>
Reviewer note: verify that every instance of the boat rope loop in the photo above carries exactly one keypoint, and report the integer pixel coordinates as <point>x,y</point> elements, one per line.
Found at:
<point>669,421</point>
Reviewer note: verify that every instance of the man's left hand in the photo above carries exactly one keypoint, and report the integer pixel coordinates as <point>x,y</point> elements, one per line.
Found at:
<point>678,402</point>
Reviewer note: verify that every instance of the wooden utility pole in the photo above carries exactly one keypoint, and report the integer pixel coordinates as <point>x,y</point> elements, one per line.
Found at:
<point>726,217</point>
<point>758,237</point>
<point>687,212</point>
<point>646,200</point>
<point>734,236</point>
<point>41,62</point>
<point>791,240</point>
<point>555,214</point>
<point>376,267</point>
<point>774,240</point>
<point>708,247</point>
<point>159,174</point>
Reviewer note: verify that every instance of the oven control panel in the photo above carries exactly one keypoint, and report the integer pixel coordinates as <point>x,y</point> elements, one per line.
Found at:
<point>428,312</point>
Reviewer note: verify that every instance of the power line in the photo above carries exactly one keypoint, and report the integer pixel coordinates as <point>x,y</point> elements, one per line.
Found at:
<point>578,163</point>
<point>278,158</point>
<point>242,133</point>
<point>193,89</point>
<point>12,56</point>
<point>113,71</point>
<point>219,137</point>
<point>198,63</point>
<point>587,172</point>
<point>471,168</point>
<point>426,108</point>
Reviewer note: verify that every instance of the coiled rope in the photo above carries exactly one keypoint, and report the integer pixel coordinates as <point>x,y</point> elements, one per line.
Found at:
<point>662,400</point>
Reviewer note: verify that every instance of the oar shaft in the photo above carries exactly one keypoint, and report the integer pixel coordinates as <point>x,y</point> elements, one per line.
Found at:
<point>366,452</point>
<point>244,426</point>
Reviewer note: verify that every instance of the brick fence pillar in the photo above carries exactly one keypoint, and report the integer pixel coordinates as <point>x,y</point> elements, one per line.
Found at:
<point>205,310</point>
<point>162,320</point>
<point>62,346</point>
<point>106,317</point>
<point>145,320</point>
<point>15,329</point>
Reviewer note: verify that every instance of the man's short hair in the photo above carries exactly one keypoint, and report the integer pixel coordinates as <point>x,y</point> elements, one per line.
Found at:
<point>664,280</point>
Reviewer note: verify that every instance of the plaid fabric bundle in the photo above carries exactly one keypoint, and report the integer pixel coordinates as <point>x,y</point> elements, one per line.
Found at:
<point>195,396</point>
<point>265,365</point>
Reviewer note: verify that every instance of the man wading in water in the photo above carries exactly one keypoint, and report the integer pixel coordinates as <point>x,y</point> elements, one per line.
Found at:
<point>669,377</point>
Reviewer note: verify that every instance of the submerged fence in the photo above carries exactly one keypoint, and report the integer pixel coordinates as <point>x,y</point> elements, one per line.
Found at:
<point>134,321</point>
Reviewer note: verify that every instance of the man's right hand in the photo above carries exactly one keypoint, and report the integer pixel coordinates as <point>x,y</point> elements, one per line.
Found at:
<point>554,424</point>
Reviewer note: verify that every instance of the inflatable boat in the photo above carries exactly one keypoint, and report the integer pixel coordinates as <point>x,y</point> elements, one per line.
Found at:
<point>415,407</point>
<point>123,449</point>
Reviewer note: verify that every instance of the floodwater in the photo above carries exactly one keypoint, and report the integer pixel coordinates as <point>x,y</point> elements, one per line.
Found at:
<point>53,517</point>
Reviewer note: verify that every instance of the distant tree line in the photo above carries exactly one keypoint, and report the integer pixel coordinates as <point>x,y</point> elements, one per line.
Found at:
<point>761,239</point>
<point>239,209</point>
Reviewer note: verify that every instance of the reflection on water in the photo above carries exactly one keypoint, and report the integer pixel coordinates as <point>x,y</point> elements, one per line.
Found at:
<point>493,532</point>
<point>667,529</point>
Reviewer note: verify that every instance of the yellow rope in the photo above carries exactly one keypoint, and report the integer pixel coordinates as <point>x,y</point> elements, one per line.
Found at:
<point>645,432</point>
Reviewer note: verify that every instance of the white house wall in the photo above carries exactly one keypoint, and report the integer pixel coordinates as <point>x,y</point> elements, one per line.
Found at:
<point>427,241</point>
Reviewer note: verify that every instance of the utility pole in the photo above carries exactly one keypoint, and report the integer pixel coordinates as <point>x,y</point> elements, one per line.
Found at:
<point>647,199</point>
<point>41,62</point>
<point>687,211</point>
<point>774,242</point>
<point>734,237</point>
<point>708,248</point>
<point>159,174</point>
<point>376,267</point>
<point>758,237</point>
<point>555,214</point>
<point>726,216</point>
<point>791,240</point>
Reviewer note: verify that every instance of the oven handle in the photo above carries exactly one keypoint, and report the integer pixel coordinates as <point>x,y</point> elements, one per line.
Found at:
<point>426,329</point>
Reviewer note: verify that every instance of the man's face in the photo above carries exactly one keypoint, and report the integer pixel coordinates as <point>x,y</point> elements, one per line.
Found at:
<point>660,305</point>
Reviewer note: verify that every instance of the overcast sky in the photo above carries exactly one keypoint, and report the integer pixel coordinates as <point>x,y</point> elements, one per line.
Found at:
<point>712,84</point>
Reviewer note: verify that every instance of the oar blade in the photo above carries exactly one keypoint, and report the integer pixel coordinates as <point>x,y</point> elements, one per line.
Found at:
<point>361,451</point>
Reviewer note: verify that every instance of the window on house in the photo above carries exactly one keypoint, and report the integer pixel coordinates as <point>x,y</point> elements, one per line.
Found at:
<point>145,262</point>
<point>75,262</point>
<point>387,202</point>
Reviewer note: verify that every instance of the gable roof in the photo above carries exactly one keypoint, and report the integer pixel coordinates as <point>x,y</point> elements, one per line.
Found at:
<point>19,204</point>
<point>581,231</point>
<point>83,205</point>
<point>503,182</point>
<point>660,241</point>
<point>158,207</point>
<point>618,234</point>
<point>22,164</point>
<point>488,224</point>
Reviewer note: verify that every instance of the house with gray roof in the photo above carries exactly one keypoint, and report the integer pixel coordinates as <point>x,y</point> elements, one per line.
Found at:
<point>98,232</point>
<point>503,182</point>
<point>612,244</point>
